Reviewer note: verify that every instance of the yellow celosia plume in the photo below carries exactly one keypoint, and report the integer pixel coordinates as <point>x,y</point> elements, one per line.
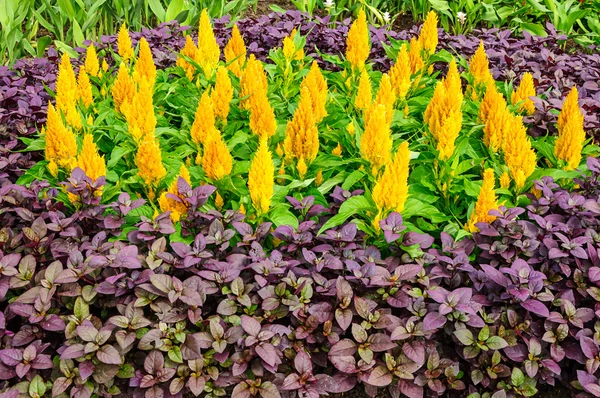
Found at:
<point>428,36</point>
<point>505,180</point>
<point>89,160</point>
<point>67,93</point>
<point>261,178</point>
<point>217,161</point>
<point>400,73</point>
<point>523,93</point>
<point>222,94</point>
<point>61,145</point>
<point>144,66</point>
<point>208,49</point>
<point>149,161</point>
<point>448,134</point>
<point>571,135</point>
<point>235,52</point>
<point>92,65</point>
<point>357,42</point>
<point>124,46</point>
<point>486,201</point>
<point>519,156</point>
<point>391,188</point>
<point>364,94</point>
<point>386,97</point>
<point>376,141</point>
<point>494,113</point>
<point>253,79</point>
<point>301,134</point>
<point>139,113</point>
<point>262,115</point>
<point>414,56</point>
<point>290,52</point>
<point>123,88</point>
<point>191,51</point>
<point>176,207</point>
<point>317,87</point>
<point>204,120</point>
<point>84,88</point>
<point>480,70</point>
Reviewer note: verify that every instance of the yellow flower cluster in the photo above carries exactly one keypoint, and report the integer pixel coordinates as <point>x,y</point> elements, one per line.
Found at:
<point>92,65</point>
<point>290,52</point>
<point>391,188</point>
<point>414,56</point>
<point>217,162</point>
<point>494,113</point>
<point>144,65</point>
<point>301,134</point>
<point>61,145</point>
<point>376,141</point>
<point>222,94</point>
<point>191,51</point>
<point>523,93</point>
<point>208,49</point>
<point>480,70</point>
<point>357,42</point>
<point>400,73</point>
<point>253,79</point>
<point>67,92</point>
<point>149,161</point>
<point>139,113</point>
<point>123,88</point>
<point>428,36</point>
<point>571,135</point>
<point>204,120</point>
<point>84,88</point>
<point>486,201</point>
<point>519,156</point>
<point>317,88</point>
<point>89,160</point>
<point>386,97</point>
<point>235,52</point>
<point>176,207</point>
<point>124,46</point>
<point>261,178</point>
<point>364,94</point>
<point>443,114</point>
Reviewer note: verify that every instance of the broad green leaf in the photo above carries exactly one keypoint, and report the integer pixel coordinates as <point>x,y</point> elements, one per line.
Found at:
<point>350,207</point>
<point>282,216</point>
<point>535,29</point>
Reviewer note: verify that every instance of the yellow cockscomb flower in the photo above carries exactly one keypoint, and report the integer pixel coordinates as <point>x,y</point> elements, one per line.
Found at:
<point>337,151</point>
<point>191,51</point>
<point>480,70</point>
<point>290,52</point>
<point>571,135</point>
<point>84,88</point>
<point>219,202</point>
<point>216,160</point>
<point>149,161</point>
<point>525,90</point>
<point>519,156</point>
<point>67,93</point>
<point>491,101</point>
<point>89,160</point>
<point>301,134</point>
<point>124,45</point>
<point>486,201</point>
<point>386,97</point>
<point>61,145</point>
<point>92,65</point>
<point>204,120</point>
<point>222,94</point>
<point>302,168</point>
<point>235,52</point>
<point>317,86</point>
<point>400,73</point>
<point>177,208</point>
<point>391,188</point>
<point>123,88</point>
<point>357,42</point>
<point>144,66</point>
<point>364,95</point>
<point>414,56</point>
<point>253,79</point>
<point>428,36</point>
<point>261,178</point>
<point>139,113</point>
<point>448,134</point>
<point>505,180</point>
<point>208,49</point>
<point>262,115</point>
<point>376,141</point>
<point>319,178</point>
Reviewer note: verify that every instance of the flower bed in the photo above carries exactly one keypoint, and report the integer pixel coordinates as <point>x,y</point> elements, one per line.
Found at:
<point>245,228</point>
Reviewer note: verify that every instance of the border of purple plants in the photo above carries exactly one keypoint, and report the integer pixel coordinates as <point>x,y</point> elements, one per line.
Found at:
<point>23,97</point>
<point>513,309</point>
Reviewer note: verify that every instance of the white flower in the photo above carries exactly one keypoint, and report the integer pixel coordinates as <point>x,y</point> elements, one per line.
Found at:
<point>329,4</point>
<point>462,17</point>
<point>386,17</point>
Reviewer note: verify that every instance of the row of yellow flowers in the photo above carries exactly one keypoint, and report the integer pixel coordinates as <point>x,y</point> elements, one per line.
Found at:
<point>133,88</point>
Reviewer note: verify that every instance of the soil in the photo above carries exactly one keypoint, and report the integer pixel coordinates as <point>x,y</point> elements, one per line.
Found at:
<point>263,7</point>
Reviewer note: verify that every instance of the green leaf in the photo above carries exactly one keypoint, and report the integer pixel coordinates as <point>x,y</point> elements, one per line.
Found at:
<point>484,333</point>
<point>157,9</point>
<point>350,207</point>
<point>352,178</point>
<point>414,207</point>
<point>535,29</point>
<point>43,43</point>
<point>175,7</point>
<point>37,387</point>
<point>496,343</point>
<point>464,336</point>
<point>81,309</point>
<point>175,355</point>
<point>517,377</point>
<point>77,33</point>
<point>126,371</point>
<point>282,216</point>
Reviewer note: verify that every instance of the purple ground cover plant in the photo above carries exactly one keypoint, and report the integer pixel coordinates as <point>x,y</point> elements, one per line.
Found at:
<point>226,307</point>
